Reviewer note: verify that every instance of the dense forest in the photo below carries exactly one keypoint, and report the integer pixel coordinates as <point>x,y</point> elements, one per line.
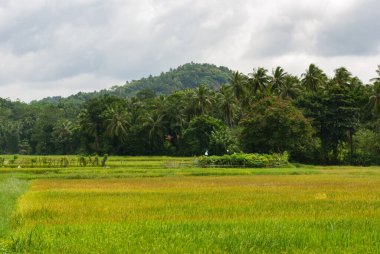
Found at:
<point>200,107</point>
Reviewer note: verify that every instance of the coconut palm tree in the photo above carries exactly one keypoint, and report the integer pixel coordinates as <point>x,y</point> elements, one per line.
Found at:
<point>277,79</point>
<point>342,77</point>
<point>63,134</point>
<point>153,122</point>
<point>227,104</point>
<point>202,100</point>
<point>290,88</point>
<point>238,84</point>
<point>374,100</point>
<point>117,122</point>
<point>91,126</point>
<point>377,79</point>
<point>258,80</point>
<point>313,78</point>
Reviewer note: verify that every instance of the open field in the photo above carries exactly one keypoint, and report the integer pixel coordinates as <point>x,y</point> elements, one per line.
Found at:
<point>146,206</point>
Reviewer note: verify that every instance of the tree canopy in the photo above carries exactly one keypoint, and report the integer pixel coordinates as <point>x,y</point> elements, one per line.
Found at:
<point>199,107</point>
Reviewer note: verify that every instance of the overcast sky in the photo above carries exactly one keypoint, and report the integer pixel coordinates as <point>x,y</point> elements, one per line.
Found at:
<point>56,47</point>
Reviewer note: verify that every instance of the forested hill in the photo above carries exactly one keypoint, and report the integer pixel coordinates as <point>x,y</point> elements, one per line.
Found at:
<point>189,75</point>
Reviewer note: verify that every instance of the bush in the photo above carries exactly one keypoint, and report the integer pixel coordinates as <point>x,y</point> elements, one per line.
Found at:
<point>360,158</point>
<point>249,160</point>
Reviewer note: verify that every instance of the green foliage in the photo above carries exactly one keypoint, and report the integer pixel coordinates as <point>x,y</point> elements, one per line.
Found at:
<point>222,142</point>
<point>158,115</point>
<point>366,148</point>
<point>275,125</point>
<point>196,138</point>
<point>252,160</point>
<point>335,115</point>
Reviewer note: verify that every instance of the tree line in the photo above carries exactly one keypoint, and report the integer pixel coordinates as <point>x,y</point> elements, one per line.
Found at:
<point>315,118</point>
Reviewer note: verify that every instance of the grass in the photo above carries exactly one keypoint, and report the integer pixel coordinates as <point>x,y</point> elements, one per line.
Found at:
<point>10,189</point>
<point>147,207</point>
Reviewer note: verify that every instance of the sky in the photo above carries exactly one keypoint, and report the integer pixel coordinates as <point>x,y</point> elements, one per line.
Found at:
<point>55,47</point>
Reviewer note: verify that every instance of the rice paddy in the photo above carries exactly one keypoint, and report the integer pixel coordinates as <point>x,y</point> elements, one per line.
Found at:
<point>148,205</point>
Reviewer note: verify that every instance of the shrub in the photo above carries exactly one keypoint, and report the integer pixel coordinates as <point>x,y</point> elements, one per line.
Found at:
<point>250,160</point>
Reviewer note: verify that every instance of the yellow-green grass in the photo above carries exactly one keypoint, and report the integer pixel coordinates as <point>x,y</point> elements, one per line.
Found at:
<point>125,167</point>
<point>322,213</point>
<point>55,161</point>
<point>10,189</point>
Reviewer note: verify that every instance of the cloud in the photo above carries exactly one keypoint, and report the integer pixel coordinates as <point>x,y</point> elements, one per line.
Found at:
<point>354,32</point>
<point>61,47</point>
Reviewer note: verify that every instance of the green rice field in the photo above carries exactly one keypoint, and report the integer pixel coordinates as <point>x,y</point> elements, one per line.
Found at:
<point>169,205</point>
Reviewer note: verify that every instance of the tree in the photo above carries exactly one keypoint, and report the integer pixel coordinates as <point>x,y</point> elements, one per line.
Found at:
<point>374,100</point>
<point>278,78</point>
<point>41,140</point>
<point>227,104</point>
<point>238,84</point>
<point>335,119</point>
<point>376,79</point>
<point>9,137</point>
<point>96,125</point>
<point>275,126</point>
<point>313,78</point>
<point>196,140</point>
<point>367,147</point>
<point>342,77</point>
<point>290,88</point>
<point>258,80</point>
<point>153,122</point>
<point>175,117</point>
<point>202,100</point>
<point>117,122</point>
<point>63,134</point>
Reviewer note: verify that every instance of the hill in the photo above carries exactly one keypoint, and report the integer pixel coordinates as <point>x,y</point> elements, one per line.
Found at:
<point>189,75</point>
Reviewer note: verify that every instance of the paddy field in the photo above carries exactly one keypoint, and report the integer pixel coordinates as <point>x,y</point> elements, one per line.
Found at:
<point>168,205</point>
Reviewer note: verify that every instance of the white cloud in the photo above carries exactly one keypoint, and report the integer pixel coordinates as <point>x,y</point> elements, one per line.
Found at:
<point>61,47</point>
<point>28,91</point>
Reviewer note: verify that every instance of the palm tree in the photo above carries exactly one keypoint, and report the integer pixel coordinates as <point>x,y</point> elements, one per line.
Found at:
<point>313,78</point>
<point>258,80</point>
<point>153,122</point>
<point>178,112</point>
<point>277,79</point>
<point>238,83</point>
<point>290,88</point>
<point>159,104</point>
<point>134,106</point>
<point>377,79</point>
<point>227,103</point>
<point>117,122</point>
<point>342,77</point>
<point>90,126</point>
<point>63,134</point>
<point>374,100</point>
<point>202,99</point>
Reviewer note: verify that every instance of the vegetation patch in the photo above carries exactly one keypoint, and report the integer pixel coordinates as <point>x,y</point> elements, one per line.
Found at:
<point>10,189</point>
<point>250,160</point>
<point>224,214</point>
